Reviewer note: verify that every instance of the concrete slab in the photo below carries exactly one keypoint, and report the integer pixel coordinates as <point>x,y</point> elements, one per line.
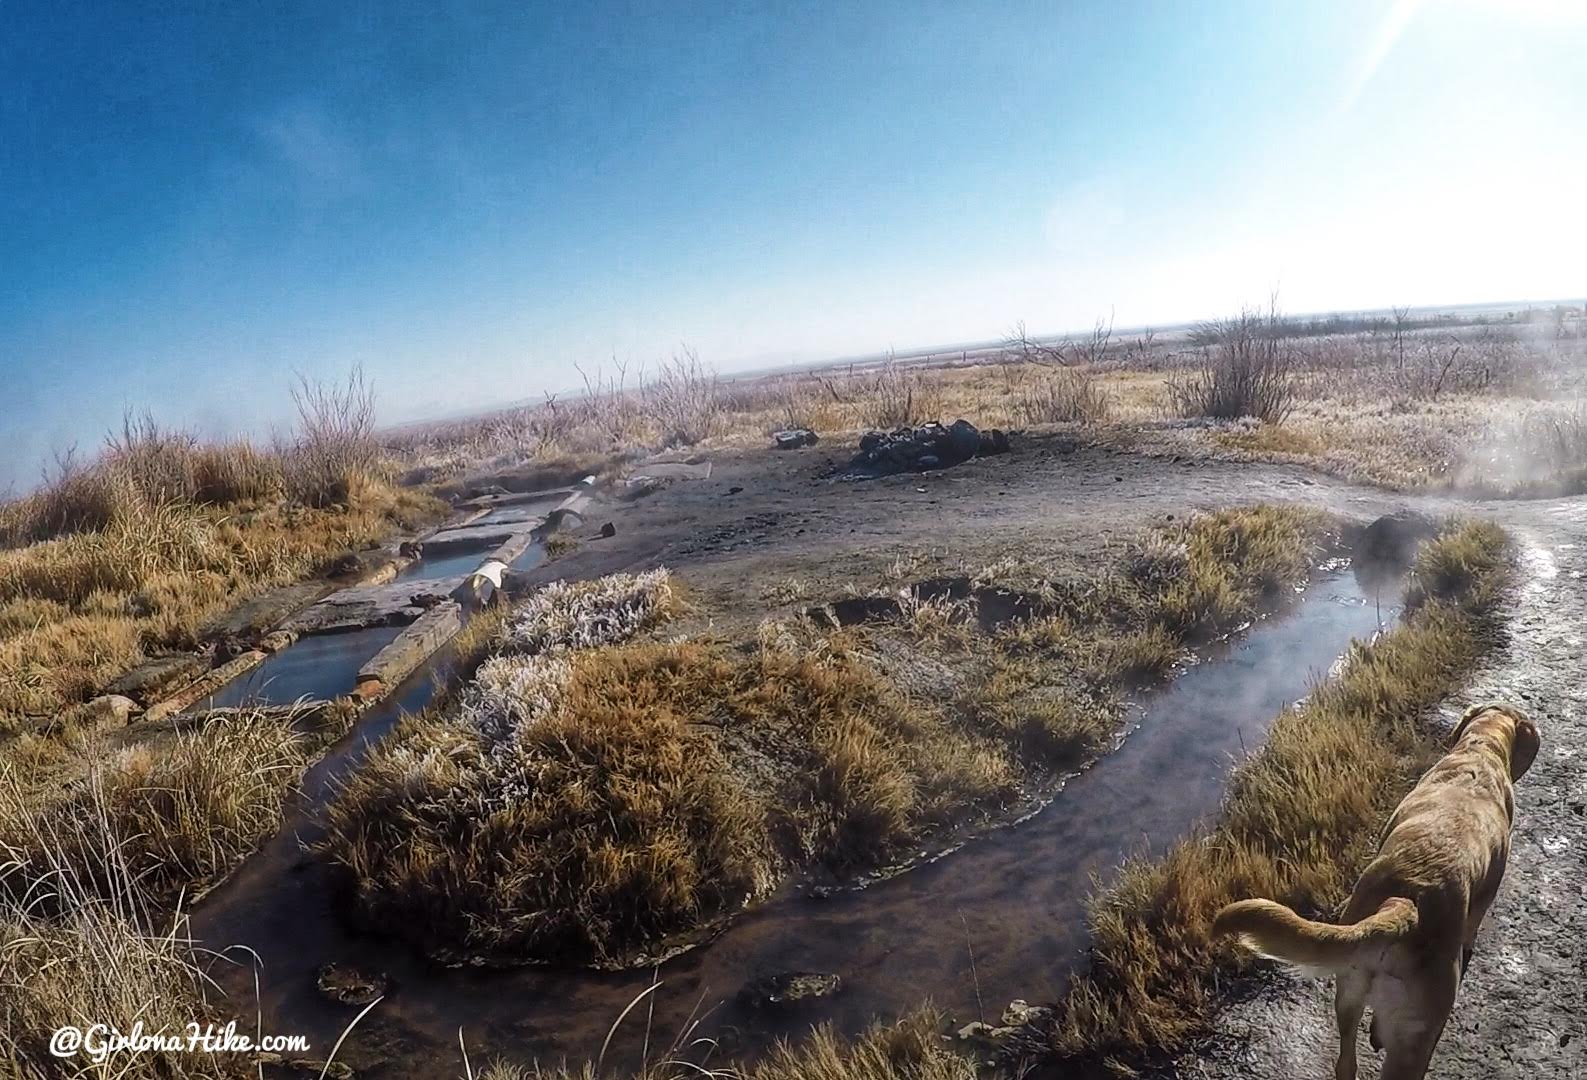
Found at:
<point>269,610</point>
<point>528,516</point>
<point>670,470</point>
<point>570,514</point>
<point>483,537</point>
<point>374,605</point>
<point>158,678</point>
<point>204,687</point>
<point>509,551</point>
<point>411,648</point>
<point>494,502</point>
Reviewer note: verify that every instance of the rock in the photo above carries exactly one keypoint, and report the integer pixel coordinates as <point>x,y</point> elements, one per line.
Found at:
<point>411,549</point>
<point>230,647</point>
<point>111,710</point>
<point>790,988</point>
<point>276,640</point>
<point>608,531</point>
<point>963,440</point>
<point>1022,1014</point>
<point>154,679</point>
<point>794,438</point>
<point>348,985</point>
<point>993,441</point>
<point>976,1031</point>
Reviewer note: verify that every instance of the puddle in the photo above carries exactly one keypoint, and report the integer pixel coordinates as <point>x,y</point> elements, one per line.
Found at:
<point>458,564</point>
<point>1017,894</point>
<point>318,667</point>
<point>531,557</point>
<point>530,513</point>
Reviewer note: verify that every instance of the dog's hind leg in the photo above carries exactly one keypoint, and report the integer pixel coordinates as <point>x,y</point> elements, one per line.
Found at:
<point>1411,1038</point>
<point>1409,1060</point>
<point>1350,1000</point>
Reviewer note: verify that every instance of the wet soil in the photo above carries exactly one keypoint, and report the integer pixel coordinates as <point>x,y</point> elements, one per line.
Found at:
<point>763,517</point>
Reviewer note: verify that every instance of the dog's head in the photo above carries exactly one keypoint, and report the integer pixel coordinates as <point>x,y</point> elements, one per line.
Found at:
<point>1509,725</point>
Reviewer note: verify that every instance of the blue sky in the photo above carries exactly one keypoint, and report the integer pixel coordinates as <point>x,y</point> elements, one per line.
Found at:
<point>200,199</point>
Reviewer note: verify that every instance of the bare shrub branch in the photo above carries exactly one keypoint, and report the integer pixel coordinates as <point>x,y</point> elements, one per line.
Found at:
<point>1249,369</point>
<point>335,455</point>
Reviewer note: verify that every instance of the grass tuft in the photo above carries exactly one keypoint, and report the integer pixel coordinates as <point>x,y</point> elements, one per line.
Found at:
<point>183,810</point>
<point>79,951</point>
<point>625,793</point>
<point>910,1049</point>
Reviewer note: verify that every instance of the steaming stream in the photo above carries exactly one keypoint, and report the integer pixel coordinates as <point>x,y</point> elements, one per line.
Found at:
<point>1018,893</point>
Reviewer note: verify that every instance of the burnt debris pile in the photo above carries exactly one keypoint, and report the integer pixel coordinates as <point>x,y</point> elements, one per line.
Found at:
<point>924,448</point>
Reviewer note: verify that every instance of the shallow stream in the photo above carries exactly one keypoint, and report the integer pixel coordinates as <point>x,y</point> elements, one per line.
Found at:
<point>1016,895</point>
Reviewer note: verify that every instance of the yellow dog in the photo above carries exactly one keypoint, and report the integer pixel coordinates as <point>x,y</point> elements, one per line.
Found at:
<point>1408,930</point>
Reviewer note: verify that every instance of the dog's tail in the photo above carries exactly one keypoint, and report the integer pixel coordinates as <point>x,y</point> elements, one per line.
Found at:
<point>1273,930</point>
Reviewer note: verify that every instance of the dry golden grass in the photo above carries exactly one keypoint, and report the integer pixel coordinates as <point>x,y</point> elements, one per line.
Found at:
<point>1049,687</point>
<point>910,1049</point>
<point>651,788</point>
<point>79,951</point>
<point>1300,819</point>
<point>135,551</point>
<point>79,610</point>
<point>1218,570</point>
<point>1487,406</point>
<point>182,809</point>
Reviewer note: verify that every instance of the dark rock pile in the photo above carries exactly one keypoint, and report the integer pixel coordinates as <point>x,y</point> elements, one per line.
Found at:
<point>794,438</point>
<point>930,446</point>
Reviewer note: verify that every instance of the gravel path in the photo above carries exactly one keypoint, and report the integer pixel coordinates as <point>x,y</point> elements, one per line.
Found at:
<point>1522,1011</point>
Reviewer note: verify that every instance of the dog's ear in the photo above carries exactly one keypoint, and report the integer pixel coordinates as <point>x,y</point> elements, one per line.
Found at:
<point>1523,747</point>
<point>1466,718</point>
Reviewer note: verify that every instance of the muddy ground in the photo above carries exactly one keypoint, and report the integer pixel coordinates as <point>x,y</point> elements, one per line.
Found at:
<point>762,517</point>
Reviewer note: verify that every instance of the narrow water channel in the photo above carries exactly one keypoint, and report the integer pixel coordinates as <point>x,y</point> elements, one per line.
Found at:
<point>454,565</point>
<point>1017,896</point>
<point>318,667</point>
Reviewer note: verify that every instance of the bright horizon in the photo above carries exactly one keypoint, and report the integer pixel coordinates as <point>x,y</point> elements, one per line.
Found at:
<point>468,204</point>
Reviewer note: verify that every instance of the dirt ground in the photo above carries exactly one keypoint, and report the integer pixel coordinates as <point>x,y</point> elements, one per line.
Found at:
<point>762,517</point>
